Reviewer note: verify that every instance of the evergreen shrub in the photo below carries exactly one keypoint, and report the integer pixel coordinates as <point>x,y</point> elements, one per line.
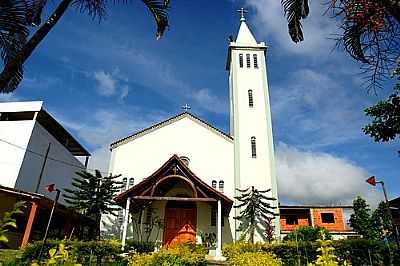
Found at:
<point>188,255</point>
<point>140,246</point>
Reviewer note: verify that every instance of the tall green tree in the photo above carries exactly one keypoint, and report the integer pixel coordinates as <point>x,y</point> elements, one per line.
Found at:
<point>93,195</point>
<point>22,30</point>
<point>385,125</point>
<point>370,225</point>
<point>256,212</point>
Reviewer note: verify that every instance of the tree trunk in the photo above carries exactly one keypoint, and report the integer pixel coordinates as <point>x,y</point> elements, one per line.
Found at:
<point>12,66</point>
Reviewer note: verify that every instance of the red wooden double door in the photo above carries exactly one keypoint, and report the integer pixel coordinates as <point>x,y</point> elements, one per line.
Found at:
<point>179,225</point>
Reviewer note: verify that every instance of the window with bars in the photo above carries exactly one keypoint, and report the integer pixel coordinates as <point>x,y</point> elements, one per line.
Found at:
<point>221,185</point>
<point>241,60</point>
<point>255,61</point>
<point>214,184</point>
<point>149,215</point>
<point>251,101</point>
<point>248,63</point>
<point>214,215</point>
<point>253,147</point>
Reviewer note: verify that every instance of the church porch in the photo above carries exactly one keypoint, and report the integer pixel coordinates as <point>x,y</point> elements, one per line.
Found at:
<point>174,206</point>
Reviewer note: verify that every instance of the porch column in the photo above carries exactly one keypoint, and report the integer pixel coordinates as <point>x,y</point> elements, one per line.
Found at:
<point>218,252</point>
<point>28,228</point>
<point>125,224</point>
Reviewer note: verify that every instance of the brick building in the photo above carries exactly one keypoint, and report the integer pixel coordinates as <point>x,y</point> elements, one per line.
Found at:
<point>333,218</point>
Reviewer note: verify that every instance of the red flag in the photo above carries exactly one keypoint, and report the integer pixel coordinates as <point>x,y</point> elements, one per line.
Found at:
<point>371,181</point>
<point>50,188</point>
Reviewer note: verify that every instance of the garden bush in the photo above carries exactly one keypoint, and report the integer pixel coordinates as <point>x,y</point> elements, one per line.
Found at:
<point>85,252</point>
<point>140,246</point>
<point>254,259</point>
<point>187,255</point>
<point>307,233</point>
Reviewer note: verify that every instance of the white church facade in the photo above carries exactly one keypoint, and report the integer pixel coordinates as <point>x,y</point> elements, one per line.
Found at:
<point>184,172</point>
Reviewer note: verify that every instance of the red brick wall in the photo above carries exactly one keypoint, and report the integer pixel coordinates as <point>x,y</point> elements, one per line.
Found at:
<point>338,225</point>
<point>302,218</point>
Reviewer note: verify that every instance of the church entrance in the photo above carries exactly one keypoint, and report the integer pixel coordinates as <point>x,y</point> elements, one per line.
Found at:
<point>179,223</point>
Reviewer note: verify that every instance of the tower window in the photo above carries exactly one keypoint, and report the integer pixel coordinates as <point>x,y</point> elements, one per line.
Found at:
<point>221,186</point>
<point>241,60</point>
<point>253,147</point>
<point>214,184</point>
<point>131,181</point>
<point>124,181</point>
<point>248,60</point>
<point>251,102</point>
<point>255,61</point>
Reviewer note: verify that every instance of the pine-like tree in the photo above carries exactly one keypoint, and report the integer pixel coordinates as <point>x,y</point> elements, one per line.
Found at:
<point>93,195</point>
<point>256,212</point>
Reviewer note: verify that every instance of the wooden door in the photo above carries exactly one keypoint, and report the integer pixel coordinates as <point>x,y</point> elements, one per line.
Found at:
<point>179,226</point>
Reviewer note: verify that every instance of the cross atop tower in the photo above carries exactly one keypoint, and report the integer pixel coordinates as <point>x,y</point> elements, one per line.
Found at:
<point>242,11</point>
<point>186,107</point>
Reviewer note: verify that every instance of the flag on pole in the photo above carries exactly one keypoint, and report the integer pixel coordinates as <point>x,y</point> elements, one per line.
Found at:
<point>371,181</point>
<point>50,187</point>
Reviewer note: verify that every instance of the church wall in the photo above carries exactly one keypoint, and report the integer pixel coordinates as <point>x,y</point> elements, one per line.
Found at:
<point>210,154</point>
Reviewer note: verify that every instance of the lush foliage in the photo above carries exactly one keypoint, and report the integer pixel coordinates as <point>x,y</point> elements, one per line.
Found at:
<point>93,195</point>
<point>355,252</point>
<point>307,233</point>
<point>385,125</point>
<point>370,225</point>
<point>58,256</point>
<point>21,19</point>
<point>8,220</point>
<point>79,252</point>
<point>326,256</point>
<point>256,213</point>
<point>188,255</point>
<point>140,246</point>
<point>255,259</point>
<point>370,31</point>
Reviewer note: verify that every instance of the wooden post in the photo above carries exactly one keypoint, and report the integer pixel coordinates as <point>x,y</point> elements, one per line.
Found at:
<point>29,224</point>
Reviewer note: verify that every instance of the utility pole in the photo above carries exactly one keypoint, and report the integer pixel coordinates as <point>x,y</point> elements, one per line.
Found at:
<point>43,167</point>
<point>371,180</point>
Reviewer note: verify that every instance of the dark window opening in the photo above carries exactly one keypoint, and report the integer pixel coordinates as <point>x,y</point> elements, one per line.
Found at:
<point>214,184</point>
<point>251,101</point>
<point>255,61</point>
<point>221,186</point>
<point>328,218</point>
<point>291,219</point>
<point>253,147</point>
<point>241,60</point>
<point>214,217</point>
<point>248,63</point>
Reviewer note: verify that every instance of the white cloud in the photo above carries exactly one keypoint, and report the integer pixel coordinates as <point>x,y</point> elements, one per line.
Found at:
<point>307,177</point>
<point>124,92</point>
<point>272,25</point>
<point>210,102</point>
<point>106,84</point>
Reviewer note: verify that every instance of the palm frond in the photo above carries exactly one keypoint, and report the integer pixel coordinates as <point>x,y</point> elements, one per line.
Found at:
<point>94,8</point>
<point>158,9</point>
<point>295,11</point>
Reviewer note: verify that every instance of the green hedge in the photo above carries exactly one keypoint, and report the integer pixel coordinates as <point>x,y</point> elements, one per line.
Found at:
<point>101,252</point>
<point>357,251</point>
<point>139,246</point>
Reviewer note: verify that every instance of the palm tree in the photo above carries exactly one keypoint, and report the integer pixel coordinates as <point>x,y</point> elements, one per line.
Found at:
<point>21,18</point>
<point>371,32</point>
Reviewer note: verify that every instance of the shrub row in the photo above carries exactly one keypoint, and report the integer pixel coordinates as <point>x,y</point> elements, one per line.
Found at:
<point>357,251</point>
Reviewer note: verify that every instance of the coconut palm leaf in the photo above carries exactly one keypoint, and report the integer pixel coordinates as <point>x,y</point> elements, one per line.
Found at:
<point>158,9</point>
<point>295,11</point>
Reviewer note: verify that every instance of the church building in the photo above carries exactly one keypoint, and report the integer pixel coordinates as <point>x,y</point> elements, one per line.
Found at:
<point>181,174</point>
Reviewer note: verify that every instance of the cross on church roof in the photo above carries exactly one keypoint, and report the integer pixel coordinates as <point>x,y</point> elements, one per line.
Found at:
<point>242,11</point>
<point>186,107</point>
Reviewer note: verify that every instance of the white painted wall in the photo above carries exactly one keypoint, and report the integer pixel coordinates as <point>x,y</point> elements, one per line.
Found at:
<point>210,154</point>
<point>11,157</point>
<point>55,172</point>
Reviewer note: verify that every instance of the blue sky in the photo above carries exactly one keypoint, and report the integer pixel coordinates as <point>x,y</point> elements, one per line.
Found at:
<point>106,80</point>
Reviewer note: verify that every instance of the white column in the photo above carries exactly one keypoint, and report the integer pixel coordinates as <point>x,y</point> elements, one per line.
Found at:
<point>218,252</point>
<point>125,225</point>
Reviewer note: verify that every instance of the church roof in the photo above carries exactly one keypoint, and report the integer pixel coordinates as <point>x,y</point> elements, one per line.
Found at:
<point>244,35</point>
<point>168,122</point>
<point>171,170</point>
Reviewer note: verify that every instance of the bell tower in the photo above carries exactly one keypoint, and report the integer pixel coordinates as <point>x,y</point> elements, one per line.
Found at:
<point>250,116</point>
